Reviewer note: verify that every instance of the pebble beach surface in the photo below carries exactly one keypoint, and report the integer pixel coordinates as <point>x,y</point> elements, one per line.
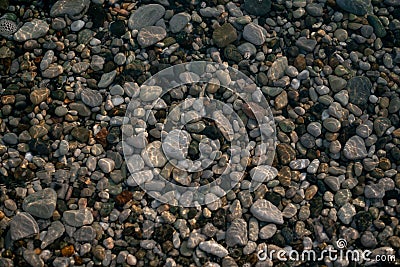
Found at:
<point>311,144</point>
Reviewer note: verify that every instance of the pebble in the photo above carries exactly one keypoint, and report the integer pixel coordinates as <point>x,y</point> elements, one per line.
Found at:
<point>150,35</point>
<point>31,30</point>
<point>178,22</point>
<point>278,68</point>
<point>75,9</point>
<point>106,165</point>
<point>236,234</point>
<point>41,204</point>
<point>355,148</point>
<point>213,248</point>
<point>224,35</point>
<point>23,225</point>
<point>357,7</point>
<point>359,89</point>
<point>254,33</point>
<point>146,15</point>
<point>305,44</point>
<point>77,25</point>
<point>346,213</point>
<point>107,79</point>
<point>267,231</point>
<point>78,218</point>
<point>265,211</point>
<point>91,97</point>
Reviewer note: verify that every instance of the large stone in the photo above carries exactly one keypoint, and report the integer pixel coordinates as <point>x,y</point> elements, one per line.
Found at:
<point>55,231</point>
<point>305,44</point>
<point>265,211</point>
<point>237,233</point>
<point>278,68</point>
<point>214,248</point>
<point>39,95</point>
<point>357,7</point>
<point>224,35</point>
<point>150,35</point>
<point>107,79</point>
<point>359,89</point>
<point>78,218</point>
<point>257,7</point>
<point>355,148</point>
<point>178,22</point>
<point>23,225</point>
<point>146,15</point>
<point>53,71</point>
<point>41,204</point>
<point>254,33</point>
<point>31,30</point>
<point>75,9</point>
<point>91,97</point>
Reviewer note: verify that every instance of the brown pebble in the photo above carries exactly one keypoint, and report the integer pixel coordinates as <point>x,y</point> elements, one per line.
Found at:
<point>300,63</point>
<point>123,197</point>
<point>101,137</point>
<point>68,251</point>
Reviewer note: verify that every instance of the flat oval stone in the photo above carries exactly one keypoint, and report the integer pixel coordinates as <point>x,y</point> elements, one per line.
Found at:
<point>265,211</point>
<point>146,15</point>
<point>75,9</point>
<point>91,98</point>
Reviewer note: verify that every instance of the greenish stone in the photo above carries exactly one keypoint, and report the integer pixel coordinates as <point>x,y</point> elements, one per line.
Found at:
<point>232,53</point>
<point>356,7</point>
<point>376,23</point>
<point>114,189</point>
<point>106,209</point>
<point>58,95</point>
<point>85,36</point>
<point>257,7</point>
